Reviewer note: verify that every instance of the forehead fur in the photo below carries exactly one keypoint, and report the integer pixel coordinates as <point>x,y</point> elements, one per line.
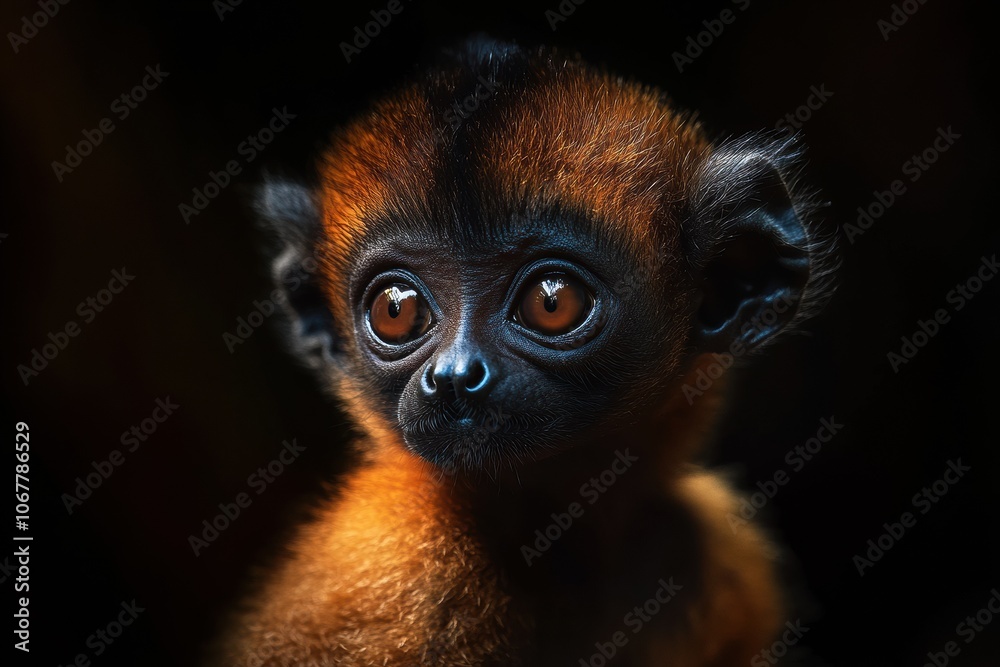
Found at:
<point>499,135</point>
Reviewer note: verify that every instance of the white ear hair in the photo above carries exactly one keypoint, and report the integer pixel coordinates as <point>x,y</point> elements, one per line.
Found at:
<point>733,193</point>
<point>288,212</point>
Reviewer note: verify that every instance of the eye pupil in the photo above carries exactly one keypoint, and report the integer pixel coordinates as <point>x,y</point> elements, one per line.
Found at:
<point>398,313</point>
<point>554,305</point>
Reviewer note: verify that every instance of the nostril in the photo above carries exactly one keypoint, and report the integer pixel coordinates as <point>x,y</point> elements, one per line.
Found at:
<point>477,376</point>
<point>455,377</point>
<point>427,382</point>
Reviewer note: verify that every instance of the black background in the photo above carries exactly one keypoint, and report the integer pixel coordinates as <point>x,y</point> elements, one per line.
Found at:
<point>162,336</point>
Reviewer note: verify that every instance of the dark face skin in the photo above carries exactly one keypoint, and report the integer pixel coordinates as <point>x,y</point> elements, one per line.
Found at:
<point>508,349</point>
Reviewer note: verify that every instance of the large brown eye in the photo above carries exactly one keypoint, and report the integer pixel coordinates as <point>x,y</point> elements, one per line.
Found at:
<point>554,305</point>
<point>398,314</point>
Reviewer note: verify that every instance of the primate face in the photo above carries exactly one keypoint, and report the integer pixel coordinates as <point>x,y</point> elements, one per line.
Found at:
<point>511,285</point>
<point>508,348</point>
<point>535,275</point>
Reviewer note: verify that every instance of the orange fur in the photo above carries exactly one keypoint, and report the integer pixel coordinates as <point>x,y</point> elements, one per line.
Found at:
<point>391,563</point>
<point>396,570</point>
<point>406,566</point>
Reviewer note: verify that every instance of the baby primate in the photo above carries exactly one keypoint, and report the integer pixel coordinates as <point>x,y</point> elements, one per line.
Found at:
<point>513,302</point>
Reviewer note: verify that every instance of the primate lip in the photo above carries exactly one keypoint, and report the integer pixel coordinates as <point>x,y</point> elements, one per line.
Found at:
<point>462,435</point>
<point>446,419</point>
<point>444,426</point>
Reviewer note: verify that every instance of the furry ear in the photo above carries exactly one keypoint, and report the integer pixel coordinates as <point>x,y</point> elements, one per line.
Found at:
<point>288,211</point>
<point>761,264</point>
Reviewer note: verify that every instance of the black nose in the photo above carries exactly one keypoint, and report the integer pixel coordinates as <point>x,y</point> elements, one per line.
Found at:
<point>462,375</point>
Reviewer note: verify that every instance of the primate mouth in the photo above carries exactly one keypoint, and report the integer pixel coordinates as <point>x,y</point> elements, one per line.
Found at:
<point>463,415</point>
<point>461,436</point>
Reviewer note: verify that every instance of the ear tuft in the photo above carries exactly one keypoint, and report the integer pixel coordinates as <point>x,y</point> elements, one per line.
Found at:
<point>763,266</point>
<point>288,210</point>
<point>289,213</point>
